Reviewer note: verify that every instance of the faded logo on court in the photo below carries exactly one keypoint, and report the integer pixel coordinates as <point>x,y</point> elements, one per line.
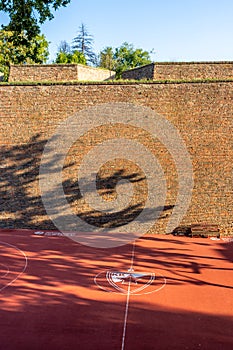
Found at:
<point>130,282</point>
<point>116,147</point>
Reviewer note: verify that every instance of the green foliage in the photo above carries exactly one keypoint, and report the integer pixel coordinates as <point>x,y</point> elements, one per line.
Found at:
<point>66,55</point>
<point>123,58</point>
<point>83,43</point>
<point>117,82</point>
<point>34,51</point>
<point>107,59</point>
<point>70,57</point>
<point>81,51</point>
<point>26,15</point>
<point>64,47</point>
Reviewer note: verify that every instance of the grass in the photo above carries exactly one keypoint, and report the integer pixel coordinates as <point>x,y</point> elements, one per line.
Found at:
<point>115,82</point>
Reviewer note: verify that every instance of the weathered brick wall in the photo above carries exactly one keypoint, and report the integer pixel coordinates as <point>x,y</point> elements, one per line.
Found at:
<point>215,70</point>
<point>182,71</point>
<point>143,72</point>
<point>48,72</point>
<point>153,71</point>
<point>94,74</point>
<point>202,112</point>
<point>57,72</point>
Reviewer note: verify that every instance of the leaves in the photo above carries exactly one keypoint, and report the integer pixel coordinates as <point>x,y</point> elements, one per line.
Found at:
<point>27,15</point>
<point>33,51</point>
<point>83,43</point>
<point>72,57</point>
<point>66,55</point>
<point>123,58</point>
<point>107,59</point>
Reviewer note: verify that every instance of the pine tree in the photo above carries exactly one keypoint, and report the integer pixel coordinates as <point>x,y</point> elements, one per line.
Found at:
<point>83,43</point>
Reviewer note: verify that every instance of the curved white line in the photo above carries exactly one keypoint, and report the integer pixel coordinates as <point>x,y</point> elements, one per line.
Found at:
<point>123,291</point>
<point>115,286</point>
<point>24,268</point>
<point>100,287</point>
<point>7,271</point>
<point>157,290</point>
<point>152,278</point>
<point>109,279</point>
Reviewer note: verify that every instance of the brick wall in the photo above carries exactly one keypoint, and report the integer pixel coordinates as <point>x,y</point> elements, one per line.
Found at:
<point>57,72</point>
<point>143,72</point>
<point>202,112</point>
<point>94,74</point>
<point>182,71</point>
<point>153,71</point>
<point>48,72</point>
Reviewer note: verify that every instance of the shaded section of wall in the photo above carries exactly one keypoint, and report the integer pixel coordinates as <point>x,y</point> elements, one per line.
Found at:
<point>182,71</point>
<point>143,72</point>
<point>57,72</point>
<point>202,113</point>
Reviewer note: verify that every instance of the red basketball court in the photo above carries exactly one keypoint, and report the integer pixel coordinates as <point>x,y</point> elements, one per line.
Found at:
<point>161,292</point>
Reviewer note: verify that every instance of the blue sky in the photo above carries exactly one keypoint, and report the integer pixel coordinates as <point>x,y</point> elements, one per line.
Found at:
<point>177,30</point>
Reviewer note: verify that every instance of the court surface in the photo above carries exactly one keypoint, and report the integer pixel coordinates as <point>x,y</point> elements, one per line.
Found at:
<point>161,292</point>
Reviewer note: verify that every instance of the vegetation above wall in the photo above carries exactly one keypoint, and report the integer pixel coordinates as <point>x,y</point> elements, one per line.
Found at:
<point>115,82</point>
<point>26,16</point>
<point>33,51</point>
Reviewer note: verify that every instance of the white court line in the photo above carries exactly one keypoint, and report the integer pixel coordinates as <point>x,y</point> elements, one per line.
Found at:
<point>24,268</point>
<point>135,291</point>
<point>128,291</point>
<point>7,271</point>
<point>123,291</point>
<point>127,302</point>
<point>152,278</point>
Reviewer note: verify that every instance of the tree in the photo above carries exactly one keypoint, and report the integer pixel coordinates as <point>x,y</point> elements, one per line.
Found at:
<point>36,51</point>
<point>70,57</point>
<point>64,47</point>
<point>127,57</point>
<point>123,58</point>
<point>83,43</point>
<point>66,55</point>
<point>107,59</point>
<point>27,15</point>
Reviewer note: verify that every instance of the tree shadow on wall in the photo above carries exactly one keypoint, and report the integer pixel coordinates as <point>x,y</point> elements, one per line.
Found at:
<point>21,205</point>
<point>61,272</point>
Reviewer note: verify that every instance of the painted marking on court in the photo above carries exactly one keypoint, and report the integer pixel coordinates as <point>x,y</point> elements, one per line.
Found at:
<point>113,281</point>
<point>4,270</point>
<point>8,270</point>
<point>127,301</point>
<point>54,234</point>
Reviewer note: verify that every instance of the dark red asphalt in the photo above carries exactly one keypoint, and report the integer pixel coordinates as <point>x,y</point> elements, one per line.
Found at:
<point>59,295</point>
